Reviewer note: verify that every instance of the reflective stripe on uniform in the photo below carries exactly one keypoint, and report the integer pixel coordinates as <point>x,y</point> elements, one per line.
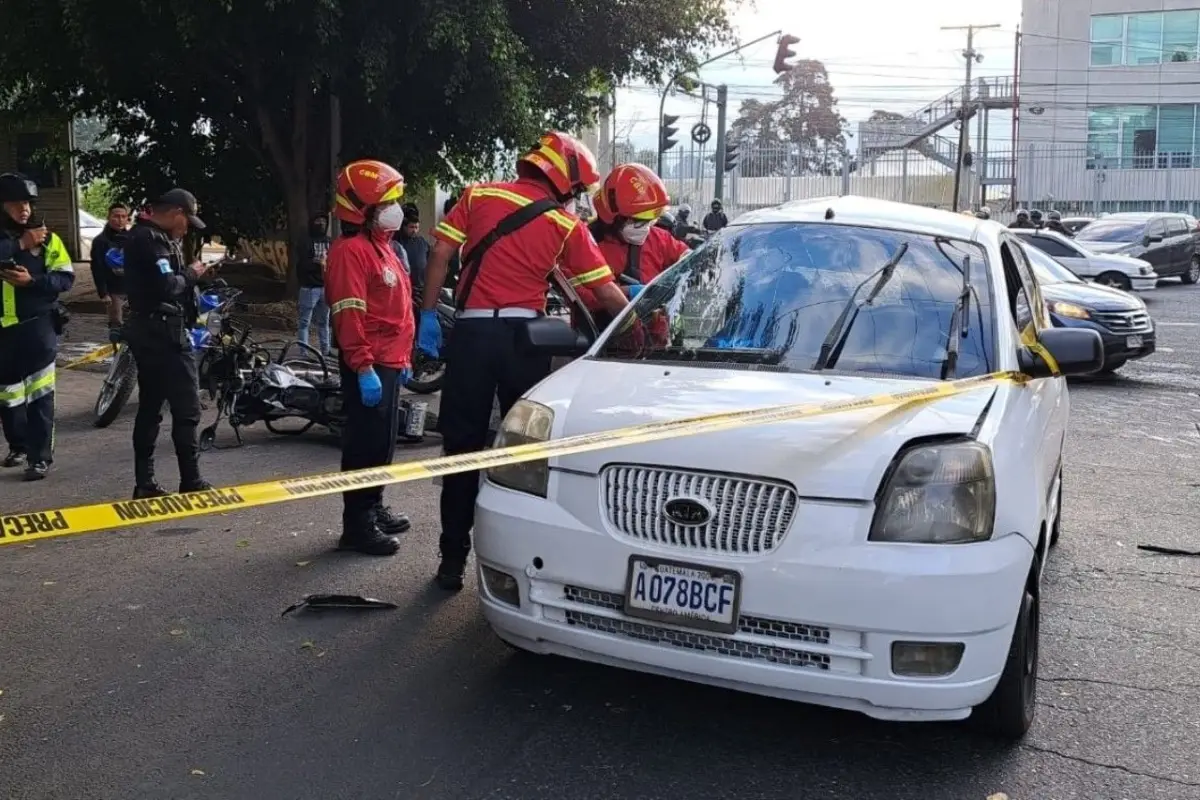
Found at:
<point>39,384</point>
<point>451,232</point>
<point>8,304</point>
<point>561,219</point>
<point>12,395</point>
<point>57,257</point>
<point>348,304</point>
<point>591,276</point>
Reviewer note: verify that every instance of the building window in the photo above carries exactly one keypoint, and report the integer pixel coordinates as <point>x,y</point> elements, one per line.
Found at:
<point>1152,38</point>
<point>1143,137</point>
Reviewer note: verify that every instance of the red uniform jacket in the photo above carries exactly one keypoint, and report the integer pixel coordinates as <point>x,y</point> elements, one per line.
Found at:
<point>659,252</point>
<point>370,298</point>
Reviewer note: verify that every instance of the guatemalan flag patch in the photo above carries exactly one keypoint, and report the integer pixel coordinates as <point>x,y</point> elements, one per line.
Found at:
<point>164,266</point>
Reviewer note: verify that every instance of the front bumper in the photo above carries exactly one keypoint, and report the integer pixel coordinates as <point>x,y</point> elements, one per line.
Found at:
<point>818,616</point>
<point>1117,345</point>
<point>1144,283</point>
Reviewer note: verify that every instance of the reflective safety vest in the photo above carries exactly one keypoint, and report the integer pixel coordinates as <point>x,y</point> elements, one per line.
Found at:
<point>52,273</point>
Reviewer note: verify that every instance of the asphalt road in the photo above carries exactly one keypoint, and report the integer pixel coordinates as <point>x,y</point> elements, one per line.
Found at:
<point>154,663</point>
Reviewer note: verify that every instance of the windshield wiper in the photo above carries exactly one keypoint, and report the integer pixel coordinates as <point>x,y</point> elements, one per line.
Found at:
<point>835,340</point>
<point>733,355</point>
<point>960,321</point>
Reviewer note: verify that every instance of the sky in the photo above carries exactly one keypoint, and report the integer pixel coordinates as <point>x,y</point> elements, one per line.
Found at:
<point>879,54</point>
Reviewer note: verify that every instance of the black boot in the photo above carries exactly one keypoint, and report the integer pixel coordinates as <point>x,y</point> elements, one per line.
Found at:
<point>144,491</point>
<point>15,458</point>
<point>389,522</point>
<point>144,485</point>
<point>195,485</point>
<point>450,574</point>
<point>361,536</point>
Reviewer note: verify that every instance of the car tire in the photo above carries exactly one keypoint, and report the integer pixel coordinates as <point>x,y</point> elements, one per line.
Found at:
<point>1193,273</point>
<point>1009,712</point>
<point>1111,365</point>
<point>1116,280</point>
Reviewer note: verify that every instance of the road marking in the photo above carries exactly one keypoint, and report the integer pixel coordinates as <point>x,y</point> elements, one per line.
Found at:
<point>1178,324</point>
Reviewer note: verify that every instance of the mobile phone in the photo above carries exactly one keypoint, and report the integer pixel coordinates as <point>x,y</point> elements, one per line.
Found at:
<point>8,266</point>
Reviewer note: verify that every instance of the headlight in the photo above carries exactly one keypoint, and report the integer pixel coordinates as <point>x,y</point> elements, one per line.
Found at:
<point>1069,310</point>
<point>527,423</point>
<point>1145,270</point>
<point>938,494</point>
<point>212,322</point>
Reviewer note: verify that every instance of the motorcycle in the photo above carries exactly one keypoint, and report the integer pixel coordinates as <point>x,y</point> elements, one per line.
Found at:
<point>250,386</point>
<point>213,303</point>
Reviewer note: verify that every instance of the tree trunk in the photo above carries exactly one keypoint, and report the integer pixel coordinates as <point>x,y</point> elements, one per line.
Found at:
<point>298,212</point>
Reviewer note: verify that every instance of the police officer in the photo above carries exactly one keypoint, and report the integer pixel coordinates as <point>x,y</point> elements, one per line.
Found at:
<point>369,295</point>
<point>1054,223</point>
<point>1022,220</point>
<point>501,288</point>
<point>1037,218</point>
<point>161,290</point>
<point>34,269</point>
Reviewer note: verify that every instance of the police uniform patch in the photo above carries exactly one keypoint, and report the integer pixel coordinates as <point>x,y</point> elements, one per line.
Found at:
<point>164,266</point>
<point>389,277</point>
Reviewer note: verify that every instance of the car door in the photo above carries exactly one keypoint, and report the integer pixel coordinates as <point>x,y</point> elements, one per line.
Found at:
<point>1159,254</point>
<point>1070,257</point>
<point>1044,405</point>
<point>1182,242</point>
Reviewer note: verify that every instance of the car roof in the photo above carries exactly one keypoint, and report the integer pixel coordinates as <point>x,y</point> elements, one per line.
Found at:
<point>1039,232</point>
<point>873,213</point>
<point>1134,216</point>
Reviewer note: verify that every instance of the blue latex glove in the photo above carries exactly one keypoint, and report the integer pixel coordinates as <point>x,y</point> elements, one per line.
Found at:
<point>370,387</point>
<point>405,376</point>
<point>635,289</point>
<point>429,334</point>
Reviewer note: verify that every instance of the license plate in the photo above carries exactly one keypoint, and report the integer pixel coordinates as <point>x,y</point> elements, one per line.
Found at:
<point>683,594</point>
<point>1133,342</point>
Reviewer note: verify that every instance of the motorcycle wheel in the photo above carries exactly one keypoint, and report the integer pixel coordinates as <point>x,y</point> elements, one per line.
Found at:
<point>117,388</point>
<point>427,375</point>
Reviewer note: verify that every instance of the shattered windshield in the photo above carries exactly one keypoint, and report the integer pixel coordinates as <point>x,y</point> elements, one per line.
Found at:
<point>770,296</point>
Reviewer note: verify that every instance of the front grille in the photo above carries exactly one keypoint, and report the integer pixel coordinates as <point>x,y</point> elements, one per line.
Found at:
<point>758,626</point>
<point>1123,321</point>
<point>749,515</point>
<point>701,642</point>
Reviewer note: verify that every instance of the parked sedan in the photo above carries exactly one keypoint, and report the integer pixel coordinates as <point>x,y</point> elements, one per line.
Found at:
<point>1106,269</point>
<point>1167,241</point>
<point>1120,318</point>
<point>1075,224</point>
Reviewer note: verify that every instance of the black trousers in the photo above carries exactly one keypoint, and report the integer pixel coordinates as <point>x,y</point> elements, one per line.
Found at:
<point>27,377</point>
<point>483,363</point>
<point>368,438</point>
<point>166,376</point>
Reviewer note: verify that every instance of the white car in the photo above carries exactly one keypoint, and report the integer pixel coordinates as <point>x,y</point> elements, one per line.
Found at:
<point>882,560</point>
<point>1106,269</point>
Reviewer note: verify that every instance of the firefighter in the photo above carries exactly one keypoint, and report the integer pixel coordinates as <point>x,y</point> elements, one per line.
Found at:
<point>35,269</point>
<point>512,236</point>
<point>369,295</point>
<point>637,251</point>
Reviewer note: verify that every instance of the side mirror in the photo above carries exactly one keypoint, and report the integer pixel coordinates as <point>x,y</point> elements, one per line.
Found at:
<point>1151,238</point>
<point>554,337</point>
<point>1077,351</point>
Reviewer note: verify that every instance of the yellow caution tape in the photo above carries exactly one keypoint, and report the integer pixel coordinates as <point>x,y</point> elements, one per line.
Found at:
<point>37,525</point>
<point>92,357</point>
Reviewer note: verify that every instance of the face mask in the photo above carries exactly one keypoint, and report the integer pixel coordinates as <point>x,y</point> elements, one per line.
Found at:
<point>391,218</point>
<point>635,234</point>
<point>571,206</point>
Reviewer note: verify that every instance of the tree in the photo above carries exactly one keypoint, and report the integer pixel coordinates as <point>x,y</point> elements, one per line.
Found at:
<point>90,134</point>
<point>234,100</point>
<point>805,120</point>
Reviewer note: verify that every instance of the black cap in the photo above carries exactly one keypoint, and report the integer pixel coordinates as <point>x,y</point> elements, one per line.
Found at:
<point>182,198</point>
<point>15,187</point>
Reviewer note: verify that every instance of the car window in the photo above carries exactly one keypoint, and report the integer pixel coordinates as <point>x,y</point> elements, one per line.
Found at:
<point>86,220</point>
<point>768,295</point>
<point>1027,305</point>
<point>1051,246</point>
<point>1176,226</point>
<point>1157,227</point>
<point>1112,230</point>
<point>1047,270</point>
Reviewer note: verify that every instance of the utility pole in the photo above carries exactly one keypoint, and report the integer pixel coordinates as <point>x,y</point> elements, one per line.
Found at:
<point>972,56</point>
<point>719,154</point>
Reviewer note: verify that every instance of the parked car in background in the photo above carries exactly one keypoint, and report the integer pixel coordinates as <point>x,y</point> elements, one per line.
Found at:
<point>1121,319</point>
<point>89,228</point>
<point>1106,269</point>
<point>1074,224</point>
<point>886,562</point>
<point>1167,241</point>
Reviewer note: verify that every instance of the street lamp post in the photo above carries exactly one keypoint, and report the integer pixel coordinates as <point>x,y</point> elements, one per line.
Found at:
<point>662,105</point>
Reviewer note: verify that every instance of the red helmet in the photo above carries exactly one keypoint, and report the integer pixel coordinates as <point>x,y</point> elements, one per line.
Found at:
<point>633,191</point>
<point>565,161</point>
<point>362,184</point>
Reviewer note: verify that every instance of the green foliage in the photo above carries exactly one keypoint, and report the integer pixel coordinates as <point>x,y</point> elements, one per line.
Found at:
<point>233,99</point>
<point>97,196</point>
<point>805,117</point>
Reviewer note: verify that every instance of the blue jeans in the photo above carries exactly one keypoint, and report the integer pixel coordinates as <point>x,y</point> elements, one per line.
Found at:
<point>312,309</point>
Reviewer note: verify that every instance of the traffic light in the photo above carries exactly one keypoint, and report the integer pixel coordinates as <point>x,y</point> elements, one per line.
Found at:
<point>785,52</point>
<point>731,156</point>
<point>666,131</point>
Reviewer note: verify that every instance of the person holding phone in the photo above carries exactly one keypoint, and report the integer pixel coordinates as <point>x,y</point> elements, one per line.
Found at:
<point>35,269</point>
<point>161,289</point>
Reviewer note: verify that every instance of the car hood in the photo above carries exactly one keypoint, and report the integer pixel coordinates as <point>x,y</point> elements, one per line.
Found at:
<point>1091,295</point>
<point>840,456</point>
<point>1105,247</point>
<point>1116,261</point>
